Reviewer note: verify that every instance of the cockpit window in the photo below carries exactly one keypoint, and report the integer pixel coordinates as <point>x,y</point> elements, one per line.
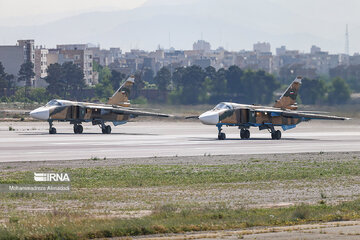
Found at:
<point>223,106</point>
<point>54,102</point>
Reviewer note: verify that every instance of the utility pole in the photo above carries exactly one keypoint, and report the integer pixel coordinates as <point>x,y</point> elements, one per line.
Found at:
<point>347,41</point>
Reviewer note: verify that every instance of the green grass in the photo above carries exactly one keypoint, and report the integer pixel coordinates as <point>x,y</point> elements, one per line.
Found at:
<point>175,175</point>
<point>170,219</point>
<point>73,215</point>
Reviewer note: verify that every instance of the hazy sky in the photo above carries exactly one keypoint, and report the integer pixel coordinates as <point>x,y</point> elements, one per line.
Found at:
<point>42,11</point>
<point>294,23</point>
<point>17,8</point>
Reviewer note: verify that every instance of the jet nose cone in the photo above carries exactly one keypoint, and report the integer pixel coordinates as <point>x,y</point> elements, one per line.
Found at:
<point>40,113</point>
<point>209,118</point>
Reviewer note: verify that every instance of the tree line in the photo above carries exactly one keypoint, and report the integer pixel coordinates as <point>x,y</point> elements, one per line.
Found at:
<point>185,85</point>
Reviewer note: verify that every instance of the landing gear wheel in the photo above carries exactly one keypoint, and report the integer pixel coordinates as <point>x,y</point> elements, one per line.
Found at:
<point>221,136</point>
<point>106,129</point>
<point>52,130</point>
<point>244,134</point>
<point>276,135</point>
<point>78,129</point>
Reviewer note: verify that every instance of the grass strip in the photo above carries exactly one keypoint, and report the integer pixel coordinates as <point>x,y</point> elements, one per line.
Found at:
<point>171,219</point>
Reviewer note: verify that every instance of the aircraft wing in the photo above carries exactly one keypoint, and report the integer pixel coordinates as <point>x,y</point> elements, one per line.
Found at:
<point>299,114</point>
<point>127,111</point>
<point>312,116</point>
<point>138,112</point>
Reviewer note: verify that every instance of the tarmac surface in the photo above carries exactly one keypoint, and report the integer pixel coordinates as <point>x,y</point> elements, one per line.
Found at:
<point>31,141</point>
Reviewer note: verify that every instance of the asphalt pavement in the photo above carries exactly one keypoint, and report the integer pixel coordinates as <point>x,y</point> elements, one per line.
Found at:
<point>31,141</point>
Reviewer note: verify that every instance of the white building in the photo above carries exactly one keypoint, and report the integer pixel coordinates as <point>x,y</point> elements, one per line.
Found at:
<point>41,66</point>
<point>202,45</point>
<point>262,47</point>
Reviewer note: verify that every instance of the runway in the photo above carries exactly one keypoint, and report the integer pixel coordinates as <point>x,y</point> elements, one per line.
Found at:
<point>31,142</point>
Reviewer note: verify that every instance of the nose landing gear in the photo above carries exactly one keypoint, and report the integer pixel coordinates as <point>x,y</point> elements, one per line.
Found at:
<point>52,130</point>
<point>221,135</point>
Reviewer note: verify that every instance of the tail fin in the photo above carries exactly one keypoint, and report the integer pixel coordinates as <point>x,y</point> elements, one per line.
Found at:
<point>288,98</point>
<point>121,96</point>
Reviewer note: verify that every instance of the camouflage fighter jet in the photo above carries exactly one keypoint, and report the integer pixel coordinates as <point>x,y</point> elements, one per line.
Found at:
<point>117,111</point>
<point>283,114</point>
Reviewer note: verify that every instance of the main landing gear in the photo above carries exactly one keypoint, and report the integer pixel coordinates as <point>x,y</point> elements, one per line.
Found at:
<point>78,129</point>
<point>52,130</point>
<point>106,129</point>
<point>244,133</point>
<point>276,134</point>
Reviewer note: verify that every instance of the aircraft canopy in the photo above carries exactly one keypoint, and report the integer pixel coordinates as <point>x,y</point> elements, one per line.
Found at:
<point>223,106</point>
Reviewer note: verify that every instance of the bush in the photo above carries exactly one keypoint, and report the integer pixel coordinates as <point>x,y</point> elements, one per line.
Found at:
<point>4,99</point>
<point>301,212</point>
<point>140,100</point>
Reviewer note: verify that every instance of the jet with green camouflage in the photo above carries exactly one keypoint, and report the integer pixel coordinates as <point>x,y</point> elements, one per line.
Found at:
<point>283,114</point>
<point>116,111</point>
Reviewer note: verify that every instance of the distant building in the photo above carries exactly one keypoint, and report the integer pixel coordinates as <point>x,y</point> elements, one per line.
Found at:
<point>280,51</point>
<point>314,49</point>
<point>149,63</point>
<point>52,56</point>
<point>202,62</point>
<point>202,45</point>
<point>72,46</point>
<point>80,55</point>
<point>40,66</point>
<point>263,47</point>
<point>12,57</point>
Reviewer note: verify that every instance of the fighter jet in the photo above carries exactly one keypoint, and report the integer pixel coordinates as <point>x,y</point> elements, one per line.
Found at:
<point>117,110</point>
<point>283,114</point>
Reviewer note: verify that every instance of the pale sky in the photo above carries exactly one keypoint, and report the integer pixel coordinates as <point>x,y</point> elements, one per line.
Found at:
<point>16,8</point>
<point>40,11</point>
<point>234,24</point>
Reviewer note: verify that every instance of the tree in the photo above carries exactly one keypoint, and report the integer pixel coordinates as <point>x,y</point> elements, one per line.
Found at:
<point>264,85</point>
<point>312,91</point>
<point>5,79</point>
<point>163,78</point>
<point>138,85</point>
<point>26,73</point>
<point>218,85</point>
<point>116,79</point>
<point>73,76</point>
<point>104,88</point>
<point>351,74</point>
<point>148,75</point>
<point>235,82</point>
<point>55,79</point>
<point>2,77</point>
<point>192,79</point>
<point>65,79</point>
<point>339,92</point>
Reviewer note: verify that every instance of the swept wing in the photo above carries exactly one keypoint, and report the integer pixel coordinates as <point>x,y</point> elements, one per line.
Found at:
<point>128,111</point>
<point>299,114</point>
